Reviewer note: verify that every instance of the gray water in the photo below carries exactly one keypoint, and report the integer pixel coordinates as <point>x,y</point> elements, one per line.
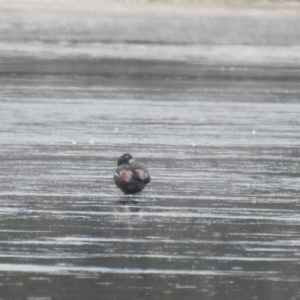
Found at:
<point>207,98</point>
<point>220,219</point>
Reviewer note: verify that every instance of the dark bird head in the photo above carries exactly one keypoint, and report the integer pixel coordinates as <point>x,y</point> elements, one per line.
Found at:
<point>125,159</point>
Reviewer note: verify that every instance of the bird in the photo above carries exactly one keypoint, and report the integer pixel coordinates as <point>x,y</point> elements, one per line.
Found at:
<point>130,177</point>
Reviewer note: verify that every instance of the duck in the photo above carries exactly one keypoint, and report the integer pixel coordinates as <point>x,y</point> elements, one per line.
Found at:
<point>130,177</point>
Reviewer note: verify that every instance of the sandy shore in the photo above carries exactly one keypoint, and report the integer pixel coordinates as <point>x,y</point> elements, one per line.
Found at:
<point>71,37</point>
<point>150,24</point>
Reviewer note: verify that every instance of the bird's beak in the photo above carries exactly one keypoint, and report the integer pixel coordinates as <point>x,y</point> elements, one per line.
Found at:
<point>131,161</point>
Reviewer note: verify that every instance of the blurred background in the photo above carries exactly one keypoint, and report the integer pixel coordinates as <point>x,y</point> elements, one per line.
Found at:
<point>61,37</point>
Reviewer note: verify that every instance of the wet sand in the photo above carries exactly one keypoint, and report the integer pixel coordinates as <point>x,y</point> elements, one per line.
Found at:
<point>217,126</point>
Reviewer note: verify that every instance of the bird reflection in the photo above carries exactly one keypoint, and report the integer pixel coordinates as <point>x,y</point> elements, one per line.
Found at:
<point>127,204</point>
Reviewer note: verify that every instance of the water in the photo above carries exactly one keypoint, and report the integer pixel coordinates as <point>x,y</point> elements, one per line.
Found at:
<point>206,97</point>
<point>220,219</point>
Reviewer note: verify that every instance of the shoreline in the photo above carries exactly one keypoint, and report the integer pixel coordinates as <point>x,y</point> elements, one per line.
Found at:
<point>138,70</point>
<point>79,37</point>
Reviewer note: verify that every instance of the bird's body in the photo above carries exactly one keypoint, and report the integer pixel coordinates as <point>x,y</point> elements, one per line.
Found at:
<point>130,177</point>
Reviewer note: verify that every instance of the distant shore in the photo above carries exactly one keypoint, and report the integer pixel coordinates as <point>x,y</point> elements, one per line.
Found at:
<point>85,36</point>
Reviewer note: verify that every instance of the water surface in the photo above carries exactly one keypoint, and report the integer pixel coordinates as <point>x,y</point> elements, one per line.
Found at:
<point>220,219</point>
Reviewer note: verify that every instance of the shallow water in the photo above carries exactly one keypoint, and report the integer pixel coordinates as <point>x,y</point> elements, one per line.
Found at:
<point>220,219</point>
